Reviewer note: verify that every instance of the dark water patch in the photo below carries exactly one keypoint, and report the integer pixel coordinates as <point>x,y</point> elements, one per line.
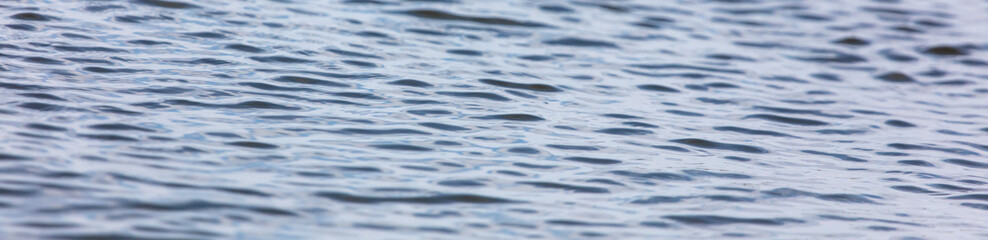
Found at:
<point>44,107</point>
<point>119,127</point>
<point>684,113</point>
<point>360,131</point>
<point>44,96</point>
<point>555,8</point>
<point>465,52</point>
<point>402,147</point>
<point>250,144</point>
<point>42,60</point>
<point>653,175</point>
<point>426,32</point>
<point>949,187</point>
<point>787,120</point>
<point>895,56</point>
<point>686,67</point>
<point>831,56</point>
<point>112,70</point>
<point>974,145</point>
<point>658,200</point>
<point>912,189</point>
<point>701,143</point>
<point>359,63</point>
<point>966,163</point>
<point>536,58</point>
<point>639,124</point>
<point>919,163</point>
<point>713,220</point>
<point>728,198</point>
<point>312,81</point>
<point>751,131</point>
<point>785,79</point>
<point>855,219</point>
<point>566,187</point>
<point>209,35</point>
<point>531,87</point>
<point>624,131</point>
<point>533,166</point>
<point>62,48</point>
<point>482,95</point>
<point>621,116</point>
<point>11,157</point>
<point>956,82</point>
<point>241,105</point>
<point>894,154</point>
<point>980,206</point>
<point>201,205</point>
<point>896,77</point>
<point>580,42</point>
<point>657,88</point>
<point>30,16</point>
<point>434,199</point>
<point>852,41</point>
<point>845,198</point>
<point>702,173</point>
<point>899,123</point>
<point>90,61</point>
<point>671,148</point>
<point>844,157</point>
<point>148,42</point>
<point>25,87</point>
<point>22,27</point>
<point>167,4</point>
<point>207,61</point>
<point>108,137</point>
<point>427,112</point>
<point>572,147</point>
<point>411,83</point>
<point>524,150</point>
<point>164,90</point>
<point>575,223</point>
<point>512,117</point>
<point>356,95</point>
<point>245,48</point>
<point>442,126</point>
<point>280,59</point>
<point>420,101</point>
<point>353,54</point>
<point>802,111</point>
<point>973,182</point>
<point>461,183</point>
<point>870,112</point>
<point>269,87</point>
<point>973,62</point>
<point>116,110</point>
<point>45,127</point>
<point>730,57</point>
<point>142,19</point>
<point>979,197</point>
<point>904,146</point>
<point>944,51</point>
<point>441,15</point>
<point>602,161</point>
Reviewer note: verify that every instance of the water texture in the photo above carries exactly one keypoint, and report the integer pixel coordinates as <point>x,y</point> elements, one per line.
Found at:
<point>458,119</point>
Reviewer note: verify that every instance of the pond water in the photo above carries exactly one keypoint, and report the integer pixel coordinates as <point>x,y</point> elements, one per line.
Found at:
<point>459,119</point>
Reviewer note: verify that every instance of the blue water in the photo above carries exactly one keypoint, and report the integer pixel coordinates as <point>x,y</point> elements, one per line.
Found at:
<point>458,119</point>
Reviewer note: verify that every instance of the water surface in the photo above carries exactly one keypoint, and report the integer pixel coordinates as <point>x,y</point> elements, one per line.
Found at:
<point>447,119</point>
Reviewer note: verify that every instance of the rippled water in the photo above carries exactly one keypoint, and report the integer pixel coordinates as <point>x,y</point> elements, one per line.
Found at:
<point>447,119</point>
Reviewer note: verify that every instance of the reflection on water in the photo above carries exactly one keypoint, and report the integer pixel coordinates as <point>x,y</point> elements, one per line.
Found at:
<point>451,119</point>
